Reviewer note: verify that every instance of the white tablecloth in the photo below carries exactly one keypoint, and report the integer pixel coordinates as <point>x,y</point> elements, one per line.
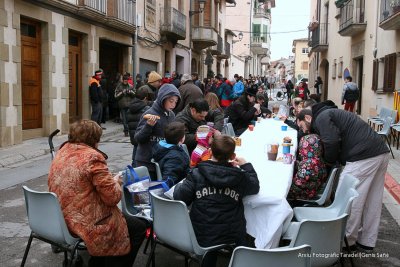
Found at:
<point>267,211</point>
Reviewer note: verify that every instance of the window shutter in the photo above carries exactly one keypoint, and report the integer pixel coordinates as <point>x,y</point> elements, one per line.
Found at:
<point>390,73</point>
<point>375,70</point>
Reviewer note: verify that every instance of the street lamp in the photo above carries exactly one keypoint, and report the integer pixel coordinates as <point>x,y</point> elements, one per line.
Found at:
<point>201,8</point>
<point>240,36</point>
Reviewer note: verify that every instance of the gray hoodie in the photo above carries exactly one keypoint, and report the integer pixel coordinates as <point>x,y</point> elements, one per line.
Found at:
<point>147,136</point>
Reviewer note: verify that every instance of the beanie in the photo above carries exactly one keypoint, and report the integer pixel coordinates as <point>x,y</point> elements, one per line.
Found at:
<point>153,77</point>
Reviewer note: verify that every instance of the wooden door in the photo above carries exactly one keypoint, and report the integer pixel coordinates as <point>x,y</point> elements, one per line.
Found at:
<point>31,78</point>
<point>75,76</point>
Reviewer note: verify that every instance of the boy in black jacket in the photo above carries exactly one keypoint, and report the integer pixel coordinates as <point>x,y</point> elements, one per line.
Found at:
<point>216,189</point>
<point>173,160</point>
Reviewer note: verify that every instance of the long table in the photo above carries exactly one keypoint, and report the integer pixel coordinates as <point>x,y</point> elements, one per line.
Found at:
<point>267,211</point>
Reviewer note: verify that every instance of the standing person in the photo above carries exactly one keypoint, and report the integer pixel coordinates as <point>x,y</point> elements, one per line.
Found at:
<point>189,92</point>
<point>104,97</point>
<point>176,79</point>
<point>352,142</point>
<point>317,85</point>
<point>301,91</point>
<point>350,94</point>
<point>96,95</point>
<point>150,129</point>
<point>289,91</point>
<point>88,196</point>
<point>124,94</point>
<point>139,82</point>
<point>153,83</point>
<point>195,79</point>
<point>226,94</point>
<point>218,217</point>
<point>238,88</point>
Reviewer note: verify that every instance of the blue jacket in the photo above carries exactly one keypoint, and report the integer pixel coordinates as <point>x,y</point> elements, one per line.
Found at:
<point>238,89</point>
<point>147,136</point>
<point>173,161</point>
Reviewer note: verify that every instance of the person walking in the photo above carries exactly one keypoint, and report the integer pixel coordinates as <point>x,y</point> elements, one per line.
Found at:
<point>124,93</point>
<point>317,85</point>
<point>350,94</point>
<point>352,142</point>
<point>96,95</point>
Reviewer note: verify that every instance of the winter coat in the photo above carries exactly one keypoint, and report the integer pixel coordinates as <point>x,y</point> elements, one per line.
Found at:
<point>151,90</point>
<point>147,136</point>
<point>124,93</point>
<point>173,161</point>
<point>302,92</point>
<point>88,196</point>
<point>241,113</point>
<point>225,94</point>
<point>95,91</point>
<point>345,136</point>
<point>191,126</point>
<point>311,171</point>
<point>216,116</point>
<point>136,109</point>
<point>238,89</point>
<point>189,93</point>
<point>215,191</point>
<point>350,92</point>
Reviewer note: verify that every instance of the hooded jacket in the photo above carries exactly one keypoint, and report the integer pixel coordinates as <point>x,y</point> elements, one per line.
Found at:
<point>173,161</point>
<point>215,191</point>
<point>189,93</point>
<point>147,136</point>
<point>350,92</point>
<point>345,136</point>
<point>136,109</point>
<point>95,91</point>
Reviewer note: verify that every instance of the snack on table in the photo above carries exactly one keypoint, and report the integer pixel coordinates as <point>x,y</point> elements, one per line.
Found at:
<point>148,116</point>
<point>238,141</point>
<point>274,148</point>
<point>287,139</point>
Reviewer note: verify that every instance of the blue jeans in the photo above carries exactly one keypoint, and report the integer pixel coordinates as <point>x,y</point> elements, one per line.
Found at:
<point>97,112</point>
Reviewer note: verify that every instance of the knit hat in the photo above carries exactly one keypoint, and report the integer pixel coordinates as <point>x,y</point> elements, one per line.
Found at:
<point>252,91</point>
<point>186,77</point>
<point>98,72</point>
<point>153,77</point>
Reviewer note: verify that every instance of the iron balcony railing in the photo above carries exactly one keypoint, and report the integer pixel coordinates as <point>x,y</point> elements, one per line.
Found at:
<point>173,21</point>
<point>352,12</point>
<point>319,35</point>
<point>388,9</point>
<point>98,5</point>
<point>259,11</point>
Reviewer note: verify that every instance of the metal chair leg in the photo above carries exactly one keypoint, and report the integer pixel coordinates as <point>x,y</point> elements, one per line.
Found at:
<point>348,250</point>
<point>149,240</point>
<point>28,246</point>
<point>151,255</point>
<point>390,148</point>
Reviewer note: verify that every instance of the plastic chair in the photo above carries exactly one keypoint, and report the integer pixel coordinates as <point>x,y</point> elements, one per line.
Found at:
<point>184,147</point>
<point>386,132</point>
<point>174,230</point>
<point>324,236</point>
<point>158,170</point>
<point>228,129</point>
<point>283,257</point>
<point>47,223</point>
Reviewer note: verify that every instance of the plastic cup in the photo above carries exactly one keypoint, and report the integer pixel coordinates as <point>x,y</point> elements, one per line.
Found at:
<point>286,149</point>
<point>272,151</point>
<point>284,127</point>
<point>251,127</point>
<point>253,122</point>
<point>287,158</point>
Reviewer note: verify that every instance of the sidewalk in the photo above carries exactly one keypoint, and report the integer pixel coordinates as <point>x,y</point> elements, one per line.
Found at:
<point>37,147</point>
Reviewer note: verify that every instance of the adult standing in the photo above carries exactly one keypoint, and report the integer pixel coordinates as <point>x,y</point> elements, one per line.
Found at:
<point>176,79</point>
<point>195,79</point>
<point>153,83</point>
<point>302,91</point>
<point>243,110</point>
<point>124,93</point>
<point>350,94</point>
<point>289,90</point>
<point>189,92</point>
<point>89,194</point>
<point>318,84</point>
<point>193,116</point>
<point>96,95</point>
<point>352,142</point>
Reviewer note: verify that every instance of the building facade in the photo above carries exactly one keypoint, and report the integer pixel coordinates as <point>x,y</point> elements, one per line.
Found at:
<point>300,52</point>
<point>358,38</point>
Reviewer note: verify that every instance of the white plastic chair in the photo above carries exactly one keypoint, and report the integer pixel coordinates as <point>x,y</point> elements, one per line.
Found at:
<point>385,132</point>
<point>158,170</point>
<point>47,223</point>
<point>325,238</point>
<point>228,129</point>
<point>283,257</point>
<point>174,230</point>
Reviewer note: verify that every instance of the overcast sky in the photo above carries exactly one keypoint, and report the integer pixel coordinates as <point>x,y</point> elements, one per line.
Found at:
<point>288,15</point>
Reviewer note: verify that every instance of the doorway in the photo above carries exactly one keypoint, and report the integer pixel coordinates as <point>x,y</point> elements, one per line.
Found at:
<point>75,76</point>
<point>31,73</point>
<point>359,81</point>
<point>324,70</point>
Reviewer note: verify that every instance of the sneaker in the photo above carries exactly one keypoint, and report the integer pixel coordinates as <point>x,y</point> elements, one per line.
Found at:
<point>103,128</point>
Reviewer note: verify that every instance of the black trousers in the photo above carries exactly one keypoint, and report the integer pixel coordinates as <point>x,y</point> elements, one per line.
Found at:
<point>137,230</point>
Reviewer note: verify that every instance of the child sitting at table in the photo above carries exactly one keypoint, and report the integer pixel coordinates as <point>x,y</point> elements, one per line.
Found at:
<point>215,188</point>
<point>310,172</point>
<point>173,160</point>
<point>202,152</point>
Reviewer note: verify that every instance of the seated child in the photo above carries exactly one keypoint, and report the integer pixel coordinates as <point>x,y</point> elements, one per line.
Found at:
<point>202,151</point>
<point>311,171</point>
<point>215,188</point>
<point>173,160</point>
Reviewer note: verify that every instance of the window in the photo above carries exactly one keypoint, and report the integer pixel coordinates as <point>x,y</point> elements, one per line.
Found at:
<point>389,78</point>
<point>256,30</point>
<point>375,72</point>
<point>334,69</point>
<point>304,50</point>
<point>304,65</point>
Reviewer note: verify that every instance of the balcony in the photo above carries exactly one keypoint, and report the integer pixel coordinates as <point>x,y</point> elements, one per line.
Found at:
<point>262,13</point>
<point>173,24</point>
<point>389,16</point>
<point>219,48</point>
<point>95,9</point>
<point>259,45</point>
<point>203,37</point>
<point>352,20</point>
<point>226,53</point>
<point>120,15</point>
<point>318,41</point>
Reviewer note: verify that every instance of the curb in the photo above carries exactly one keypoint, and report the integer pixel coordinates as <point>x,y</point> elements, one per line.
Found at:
<point>393,187</point>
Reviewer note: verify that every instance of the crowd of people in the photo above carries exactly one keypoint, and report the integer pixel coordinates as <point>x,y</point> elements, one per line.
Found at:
<point>166,112</point>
